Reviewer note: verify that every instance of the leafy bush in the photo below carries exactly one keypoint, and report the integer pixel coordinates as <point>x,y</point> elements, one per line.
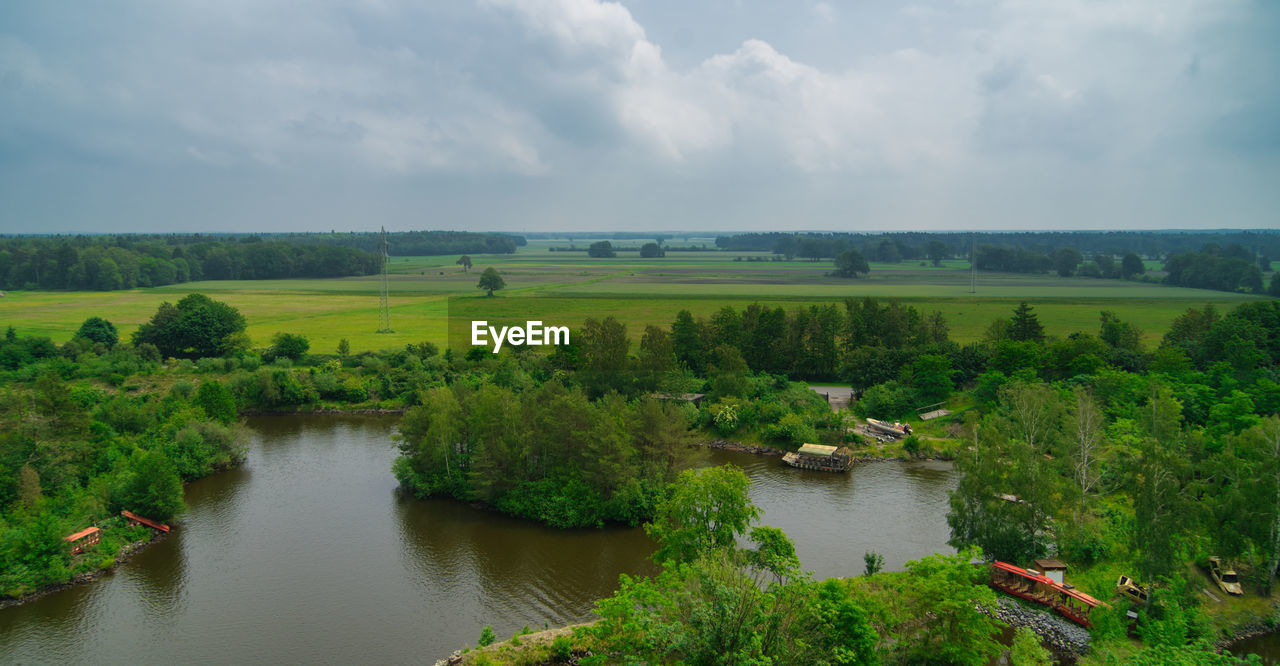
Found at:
<point>889,401</point>
<point>791,429</point>
<point>290,346</point>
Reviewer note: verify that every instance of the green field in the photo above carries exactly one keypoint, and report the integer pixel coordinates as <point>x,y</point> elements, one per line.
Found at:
<point>568,287</point>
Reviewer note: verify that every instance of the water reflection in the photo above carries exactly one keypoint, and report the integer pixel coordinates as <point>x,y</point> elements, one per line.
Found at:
<point>309,553</point>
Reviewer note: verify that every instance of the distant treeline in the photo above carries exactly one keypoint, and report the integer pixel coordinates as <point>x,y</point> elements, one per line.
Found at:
<point>636,248</point>
<point>913,245</point>
<point>415,243</point>
<point>106,263</point>
<point>1225,261</point>
<point>1223,270</point>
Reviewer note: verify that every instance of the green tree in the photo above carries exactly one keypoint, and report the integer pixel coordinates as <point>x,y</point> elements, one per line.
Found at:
<point>1025,326</point>
<point>931,375</point>
<point>290,345</point>
<point>151,487</point>
<point>936,250</point>
<point>872,563</point>
<point>99,330</point>
<point>491,281</point>
<point>1066,260</point>
<point>197,327</point>
<point>954,630</point>
<point>1163,512</point>
<point>1027,650</point>
<point>650,251</point>
<point>344,347</point>
<point>1250,500</point>
<point>216,401</point>
<point>851,263</point>
<point>1119,334</point>
<point>601,250</point>
<point>1009,490</point>
<point>465,262</point>
<point>487,636</point>
<point>705,510</point>
<point>687,342</point>
<point>603,356</point>
<point>729,374</point>
<point>655,359</point>
<point>1132,265</point>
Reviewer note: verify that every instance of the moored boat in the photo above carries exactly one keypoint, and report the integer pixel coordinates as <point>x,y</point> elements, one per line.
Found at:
<point>819,457</point>
<point>894,429</point>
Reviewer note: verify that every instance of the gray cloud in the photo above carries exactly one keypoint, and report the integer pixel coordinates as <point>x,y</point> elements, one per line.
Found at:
<point>525,114</point>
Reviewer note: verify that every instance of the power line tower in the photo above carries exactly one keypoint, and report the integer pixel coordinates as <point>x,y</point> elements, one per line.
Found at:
<point>384,314</point>
<point>973,264</point>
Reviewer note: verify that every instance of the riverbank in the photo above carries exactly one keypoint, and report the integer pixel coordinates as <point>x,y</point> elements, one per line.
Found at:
<point>124,555</point>
<point>765,450</point>
<point>1066,640</point>
<point>558,645</point>
<point>1255,627</point>
<point>334,411</point>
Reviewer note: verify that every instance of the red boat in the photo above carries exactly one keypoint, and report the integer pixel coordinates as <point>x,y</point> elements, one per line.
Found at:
<point>1032,586</point>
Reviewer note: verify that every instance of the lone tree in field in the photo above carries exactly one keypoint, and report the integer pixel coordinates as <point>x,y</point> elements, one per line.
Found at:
<point>601,249</point>
<point>651,250</point>
<point>465,262</point>
<point>491,280</point>
<point>850,263</point>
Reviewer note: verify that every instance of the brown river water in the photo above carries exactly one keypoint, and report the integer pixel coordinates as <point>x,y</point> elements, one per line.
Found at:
<point>308,553</point>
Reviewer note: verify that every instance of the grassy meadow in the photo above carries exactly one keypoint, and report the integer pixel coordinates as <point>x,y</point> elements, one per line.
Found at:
<point>564,288</point>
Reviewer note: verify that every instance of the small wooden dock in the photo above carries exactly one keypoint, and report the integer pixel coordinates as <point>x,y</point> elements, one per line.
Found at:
<point>135,519</point>
<point>934,411</point>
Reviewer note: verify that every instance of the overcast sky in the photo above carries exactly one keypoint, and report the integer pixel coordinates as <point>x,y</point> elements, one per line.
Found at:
<point>538,115</point>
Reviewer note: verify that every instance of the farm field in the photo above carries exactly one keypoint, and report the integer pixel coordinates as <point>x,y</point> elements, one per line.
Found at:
<point>565,288</point>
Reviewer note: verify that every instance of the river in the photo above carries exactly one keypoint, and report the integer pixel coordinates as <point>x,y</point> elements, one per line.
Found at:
<point>308,553</point>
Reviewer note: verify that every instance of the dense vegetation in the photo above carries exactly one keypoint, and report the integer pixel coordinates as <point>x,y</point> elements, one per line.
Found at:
<point>107,263</point>
<point>719,603</point>
<point>78,445</point>
<point>1119,458</point>
<point>1215,269</point>
<point>546,453</point>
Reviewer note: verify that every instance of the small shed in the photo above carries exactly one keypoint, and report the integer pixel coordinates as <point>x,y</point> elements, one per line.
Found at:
<point>83,540</point>
<point>1054,570</point>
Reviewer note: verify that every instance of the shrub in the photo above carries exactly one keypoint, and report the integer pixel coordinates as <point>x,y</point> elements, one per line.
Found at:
<point>290,346</point>
<point>562,648</point>
<point>791,429</point>
<point>890,400</point>
<point>210,364</point>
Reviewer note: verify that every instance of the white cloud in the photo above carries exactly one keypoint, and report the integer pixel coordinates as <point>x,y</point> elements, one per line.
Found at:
<point>760,102</point>
<point>823,110</point>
